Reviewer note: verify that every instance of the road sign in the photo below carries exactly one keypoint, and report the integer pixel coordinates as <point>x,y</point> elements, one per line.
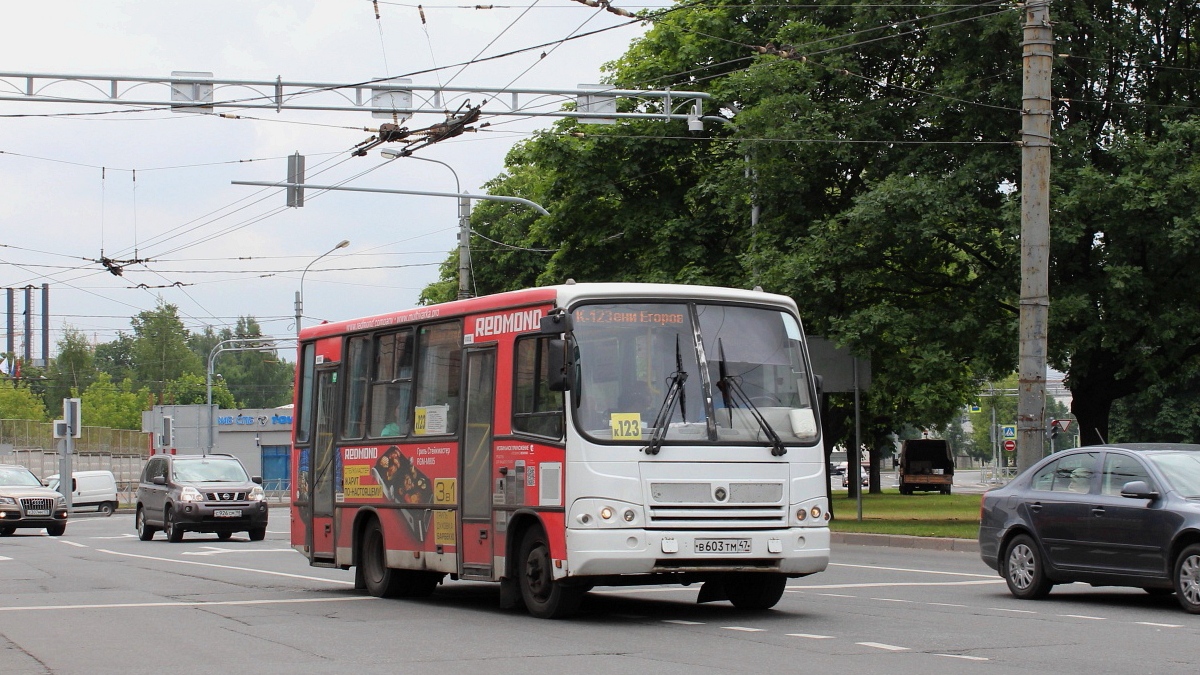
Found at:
<point>975,408</point>
<point>1008,431</point>
<point>1010,445</point>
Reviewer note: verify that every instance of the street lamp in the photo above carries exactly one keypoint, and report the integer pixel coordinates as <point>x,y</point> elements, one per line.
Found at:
<point>300,293</point>
<point>254,344</point>
<point>464,221</point>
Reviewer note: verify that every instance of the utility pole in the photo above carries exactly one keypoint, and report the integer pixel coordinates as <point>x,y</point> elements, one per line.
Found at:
<point>464,248</point>
<point>1038,61</point>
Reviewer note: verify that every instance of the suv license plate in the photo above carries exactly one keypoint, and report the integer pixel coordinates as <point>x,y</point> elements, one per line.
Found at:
<point>722,546</point>
<point>228,513</point>
<point>37,512</point>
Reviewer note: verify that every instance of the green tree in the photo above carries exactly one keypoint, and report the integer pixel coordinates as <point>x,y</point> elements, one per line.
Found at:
<point>19,402</point>
<point>189,389</point>
<point>887,188</point>
<point>117,406</point>
<point>72,370</point>
<point>160,352</point>
<point>116,357</point>
<point>257,379</point>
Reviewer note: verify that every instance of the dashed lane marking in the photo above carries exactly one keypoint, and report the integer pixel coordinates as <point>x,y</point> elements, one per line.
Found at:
<point>214,603</point>
<point>963,656</point>
<point>74,543</point>
<point>1083,616</point>
<point>880,645</point>
<point>899,584</point>
<point>745,629</point>
<point>1159,625</point>
<point>891,600</point>
<point>945,604</point>
<point>228,567</point>
<point>681,622</point>
<point>1014,611</point>
<point>907,569</point>
<point>216,550</point>
<point>810,636</point>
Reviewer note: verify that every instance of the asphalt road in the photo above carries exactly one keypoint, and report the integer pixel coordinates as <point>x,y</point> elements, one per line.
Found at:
<point>100,601</point>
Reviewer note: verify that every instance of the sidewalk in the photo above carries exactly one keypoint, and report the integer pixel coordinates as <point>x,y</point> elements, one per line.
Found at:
<point>905,541</point>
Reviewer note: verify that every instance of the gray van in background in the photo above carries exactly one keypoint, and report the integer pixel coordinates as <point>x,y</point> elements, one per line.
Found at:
<point>90,489</point>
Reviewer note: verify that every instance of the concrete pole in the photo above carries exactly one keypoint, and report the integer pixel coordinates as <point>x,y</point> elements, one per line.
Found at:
<point>464,248</point>
<point>1038,61</point>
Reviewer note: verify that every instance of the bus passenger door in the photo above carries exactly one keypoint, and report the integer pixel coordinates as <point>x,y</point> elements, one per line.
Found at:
<point>476,516</point>
<point>324,465</point>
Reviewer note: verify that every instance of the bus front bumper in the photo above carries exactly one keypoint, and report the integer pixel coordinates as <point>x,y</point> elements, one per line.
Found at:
<point>595,552</point>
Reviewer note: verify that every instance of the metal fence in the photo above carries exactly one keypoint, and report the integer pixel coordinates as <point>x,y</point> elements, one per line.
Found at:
<point>121,451</point>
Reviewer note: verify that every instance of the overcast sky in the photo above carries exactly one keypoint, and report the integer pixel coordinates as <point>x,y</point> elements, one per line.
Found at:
<point>215,249</point>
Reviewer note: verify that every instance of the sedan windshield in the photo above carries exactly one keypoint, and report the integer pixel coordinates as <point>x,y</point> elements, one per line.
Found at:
<point>693,373</point>
<point>209,470</point>
<point>18,477</point>
<point>1181,469</point>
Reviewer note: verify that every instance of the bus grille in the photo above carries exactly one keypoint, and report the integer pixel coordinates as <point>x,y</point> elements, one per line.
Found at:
<point>719,516</point>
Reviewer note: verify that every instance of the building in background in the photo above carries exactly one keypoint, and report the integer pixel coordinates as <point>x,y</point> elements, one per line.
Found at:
<point>260,437</point>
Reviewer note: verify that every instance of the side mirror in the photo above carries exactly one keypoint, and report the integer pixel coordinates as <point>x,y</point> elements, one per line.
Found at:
<point>819,381</point>
<point>159,480</point>
<point>1138,489</point>
<point>256,479</point>
<point>562,367</point>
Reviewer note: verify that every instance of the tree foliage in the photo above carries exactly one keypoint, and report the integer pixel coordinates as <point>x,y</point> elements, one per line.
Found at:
<point>73,368</point>
<point>883,176</point>
<point>19,402</point>
<point>117,406</point>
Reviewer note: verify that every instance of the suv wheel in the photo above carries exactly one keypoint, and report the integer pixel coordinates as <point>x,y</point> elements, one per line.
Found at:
<point>173,530</point>
<point>1187,578</point>
<point>7,531</point>
<point>258,534</point>
<point>56,530</point>
<point>145,532</point>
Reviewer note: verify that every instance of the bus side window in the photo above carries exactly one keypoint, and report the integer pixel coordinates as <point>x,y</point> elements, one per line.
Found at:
<point>391,388</point>
<point>536,409</point>
<point>439,373</point>
<point>304,413</point>
<point>358,361</point>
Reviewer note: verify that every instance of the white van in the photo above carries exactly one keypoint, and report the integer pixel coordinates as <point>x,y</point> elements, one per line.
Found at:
<point>92,489</point>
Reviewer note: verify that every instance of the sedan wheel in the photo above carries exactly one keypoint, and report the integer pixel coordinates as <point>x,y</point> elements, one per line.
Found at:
<point>1024,570</point>
<point>1187,578</point>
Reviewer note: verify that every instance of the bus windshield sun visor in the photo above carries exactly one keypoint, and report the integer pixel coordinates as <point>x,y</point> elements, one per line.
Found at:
<point>734,396</point>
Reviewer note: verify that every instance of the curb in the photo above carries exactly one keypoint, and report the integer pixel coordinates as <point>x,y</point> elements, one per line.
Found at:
<point>905,541</point>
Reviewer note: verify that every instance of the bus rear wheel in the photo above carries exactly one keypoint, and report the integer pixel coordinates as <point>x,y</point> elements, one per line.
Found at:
<point>544,597</point>
<point>755,591</point>
<point>382,581</point>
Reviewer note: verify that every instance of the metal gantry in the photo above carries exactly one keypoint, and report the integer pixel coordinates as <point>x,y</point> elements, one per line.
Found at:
<point>385,98</point>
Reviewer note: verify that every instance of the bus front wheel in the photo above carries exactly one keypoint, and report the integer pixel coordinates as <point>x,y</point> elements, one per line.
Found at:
<point>544,597</point>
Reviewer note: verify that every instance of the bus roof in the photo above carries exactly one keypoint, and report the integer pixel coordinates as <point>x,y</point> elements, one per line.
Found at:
<point>562,295</point>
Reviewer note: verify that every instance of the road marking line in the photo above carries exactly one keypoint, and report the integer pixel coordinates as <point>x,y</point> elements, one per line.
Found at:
<point>228,567</point>
<point>1159,625</point>
<point>73,543</point>
<point>681,622</point>
<point>905,569</point>
<point>1082,616</point>
<point>744,629</point>
<point>890,600</point>
<point>810,636</point>
<point>885,584</point>
<point>880,645</point>
<point>837,595</point>
<point>945,604</point>
<point>4,558</point>
<point>199,603</point>
<point>213,550</point>
<point>963,656</point>
<point>1014,611</point>
<point>119,536</point>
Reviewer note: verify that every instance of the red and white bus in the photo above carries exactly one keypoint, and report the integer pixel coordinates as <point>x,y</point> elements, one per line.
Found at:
<point>559,438</point>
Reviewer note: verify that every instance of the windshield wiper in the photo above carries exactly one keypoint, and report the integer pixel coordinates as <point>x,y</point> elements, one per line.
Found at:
<point>674,393</point>
<point>731,392</point>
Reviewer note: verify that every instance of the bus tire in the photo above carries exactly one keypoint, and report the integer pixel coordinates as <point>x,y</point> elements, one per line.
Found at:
<point>544,597</point>
<point>755,590</point>
<point>380,580</point>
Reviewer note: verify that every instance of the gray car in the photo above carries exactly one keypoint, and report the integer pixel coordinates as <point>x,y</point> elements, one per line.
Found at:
<point>1108,515</point>
<point>26,503</point>
<point>199,493</point>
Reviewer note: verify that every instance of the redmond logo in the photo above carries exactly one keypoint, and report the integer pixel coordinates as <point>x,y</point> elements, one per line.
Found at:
<point>513,322</point>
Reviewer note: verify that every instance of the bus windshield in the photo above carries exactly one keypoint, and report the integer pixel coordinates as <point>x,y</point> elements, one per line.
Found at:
<point>641,379</point>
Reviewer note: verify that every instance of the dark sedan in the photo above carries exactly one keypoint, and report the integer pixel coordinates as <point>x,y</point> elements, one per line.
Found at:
<point>1110,515</point>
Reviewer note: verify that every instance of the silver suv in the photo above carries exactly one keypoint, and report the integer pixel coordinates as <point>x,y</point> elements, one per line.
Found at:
<point>199,493</point>
<point>25,502</point>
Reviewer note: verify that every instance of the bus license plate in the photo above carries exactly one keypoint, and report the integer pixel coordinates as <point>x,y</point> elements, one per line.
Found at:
<point>722,546</point>
<point>37,512</point>
<point>228,513</point>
